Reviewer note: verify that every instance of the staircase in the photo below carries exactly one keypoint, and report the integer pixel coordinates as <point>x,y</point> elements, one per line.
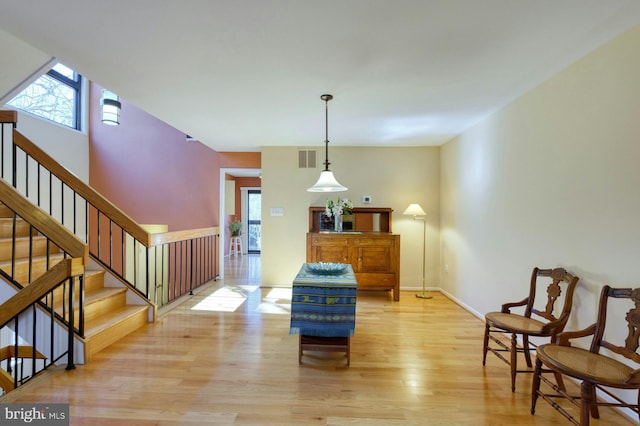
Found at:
<point>107,315</point>
<point>125,272</point>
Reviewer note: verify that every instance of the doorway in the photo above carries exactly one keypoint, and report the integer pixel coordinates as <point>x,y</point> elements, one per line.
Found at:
<point>254,224</point>
<point>242,210</point>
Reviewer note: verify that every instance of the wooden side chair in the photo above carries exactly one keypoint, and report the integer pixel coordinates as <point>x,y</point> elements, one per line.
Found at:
<point>546,323</point>
<point>594,370</point>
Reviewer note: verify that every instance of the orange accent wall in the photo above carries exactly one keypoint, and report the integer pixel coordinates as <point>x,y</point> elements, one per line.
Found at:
<point>243,182</point>
<point>241,160</point>
<point>148,169</point>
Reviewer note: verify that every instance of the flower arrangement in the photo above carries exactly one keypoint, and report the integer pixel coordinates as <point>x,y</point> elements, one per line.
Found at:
<point>340,207</point>
<point>235,226</point>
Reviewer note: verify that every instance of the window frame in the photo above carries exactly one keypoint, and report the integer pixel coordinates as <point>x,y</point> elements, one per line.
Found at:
<point>75,84</point>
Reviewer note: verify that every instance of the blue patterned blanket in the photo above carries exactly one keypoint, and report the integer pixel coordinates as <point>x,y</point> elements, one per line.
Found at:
<point>323,305</point>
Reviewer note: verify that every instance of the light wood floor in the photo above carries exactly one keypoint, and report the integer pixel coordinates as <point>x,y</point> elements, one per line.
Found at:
<point>224,356</point>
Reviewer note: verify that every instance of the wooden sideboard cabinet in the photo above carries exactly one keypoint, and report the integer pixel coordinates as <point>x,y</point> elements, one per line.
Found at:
<point>374,256</point>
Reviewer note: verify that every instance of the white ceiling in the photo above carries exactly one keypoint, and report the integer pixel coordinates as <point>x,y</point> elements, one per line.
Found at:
<point>242,74</point>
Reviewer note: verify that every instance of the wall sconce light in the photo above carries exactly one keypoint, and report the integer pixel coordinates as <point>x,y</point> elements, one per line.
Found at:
<point>418,213</point>
<point>111,107</point>
<point>327,182</point>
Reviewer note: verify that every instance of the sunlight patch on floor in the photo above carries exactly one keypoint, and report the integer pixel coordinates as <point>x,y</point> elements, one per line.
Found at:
<point>225,299</point>
<point>277,301</point>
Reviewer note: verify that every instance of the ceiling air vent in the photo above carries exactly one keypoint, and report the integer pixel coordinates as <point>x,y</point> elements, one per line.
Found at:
<point>307,159</point>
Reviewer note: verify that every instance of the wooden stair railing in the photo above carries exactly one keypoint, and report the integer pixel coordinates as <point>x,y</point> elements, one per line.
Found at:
<point>41,221</point>
<point>101,314</point>
<point>15,311</point>
<point>7,381</point>
<point>38,293</point>
<point>160,267</point>
<point>36,290</point>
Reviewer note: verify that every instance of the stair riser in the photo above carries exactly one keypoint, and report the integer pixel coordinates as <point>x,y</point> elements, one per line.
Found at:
<point>37,245</point>
<point>21,269</point>
<point>5,211</point>
<point>104,338</point>
<point>103,306</point>
<point>93,280</point>
<point>23,229</point>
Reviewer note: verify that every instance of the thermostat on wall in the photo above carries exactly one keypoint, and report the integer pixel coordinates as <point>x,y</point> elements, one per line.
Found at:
<point>366,199</point>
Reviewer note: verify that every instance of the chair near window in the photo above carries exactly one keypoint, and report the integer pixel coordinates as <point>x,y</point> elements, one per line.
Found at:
<point>544,324</point>
<point>594,370</point>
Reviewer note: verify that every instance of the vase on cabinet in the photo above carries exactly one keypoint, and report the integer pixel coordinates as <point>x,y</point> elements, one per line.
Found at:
<point>337,223</point>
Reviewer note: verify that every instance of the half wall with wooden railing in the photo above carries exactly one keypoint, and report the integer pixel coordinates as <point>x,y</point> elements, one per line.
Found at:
<point>160,267</point>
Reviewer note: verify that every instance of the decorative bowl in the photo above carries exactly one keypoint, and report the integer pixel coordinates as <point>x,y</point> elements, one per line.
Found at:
<point>327,268</point>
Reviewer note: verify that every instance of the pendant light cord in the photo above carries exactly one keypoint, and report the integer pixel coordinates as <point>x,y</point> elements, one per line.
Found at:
<point>326,99</point>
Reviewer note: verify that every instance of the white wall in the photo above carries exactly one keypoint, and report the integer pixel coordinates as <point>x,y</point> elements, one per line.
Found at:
<point>67,146</point>
<point>550,180</point>
<point>393,177</point>
<point>20,63</point>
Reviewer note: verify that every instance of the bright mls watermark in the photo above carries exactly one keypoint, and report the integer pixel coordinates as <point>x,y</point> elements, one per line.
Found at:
<point>34,414</point>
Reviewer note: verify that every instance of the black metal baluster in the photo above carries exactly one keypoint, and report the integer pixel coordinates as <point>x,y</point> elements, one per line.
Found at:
<point>34,340</point>
<point>110,243</point>
<point>30,261</point>
<point>51,193</point>
<point>70,355</point>
<point>38,176</point>
<point>98,237</point>
<point>148,269</point>
<point>81,289</point>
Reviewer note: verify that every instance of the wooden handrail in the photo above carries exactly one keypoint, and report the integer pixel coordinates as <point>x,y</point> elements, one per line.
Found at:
<point>7,116</point>
<point>6,381</point>
<point>175,236</point>
<point>21,352</point>
<point>45,224</point>
<point>101,203</point>
<point>81,188</point>
<point>40,287</point>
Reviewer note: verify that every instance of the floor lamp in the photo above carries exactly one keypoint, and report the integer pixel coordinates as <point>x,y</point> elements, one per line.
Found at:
<point>418,214</point>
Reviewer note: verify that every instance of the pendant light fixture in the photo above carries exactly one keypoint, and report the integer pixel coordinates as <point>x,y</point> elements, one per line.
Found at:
<point>327,182</point>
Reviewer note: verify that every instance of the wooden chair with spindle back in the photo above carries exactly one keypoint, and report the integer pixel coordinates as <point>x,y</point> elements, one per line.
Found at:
<point>617,367</point>
<point>546,322</point>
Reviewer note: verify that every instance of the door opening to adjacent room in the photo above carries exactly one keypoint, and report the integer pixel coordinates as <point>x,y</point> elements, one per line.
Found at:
<point>254,227</point>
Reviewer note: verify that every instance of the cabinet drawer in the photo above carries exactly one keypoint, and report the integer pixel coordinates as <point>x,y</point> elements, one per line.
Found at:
<point>328,241</point>
<point>371,280</point>
<point>363,242</point>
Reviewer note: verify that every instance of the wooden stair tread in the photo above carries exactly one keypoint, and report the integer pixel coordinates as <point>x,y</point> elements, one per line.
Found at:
<point>53,257</point>
<point>97,294</point>
<point>93,295</point>
<point>112,318</point>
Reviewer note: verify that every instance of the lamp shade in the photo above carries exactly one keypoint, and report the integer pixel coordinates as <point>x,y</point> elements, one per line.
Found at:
<point>110,108</point>
<point>414,210</point>
<point>327,183</point>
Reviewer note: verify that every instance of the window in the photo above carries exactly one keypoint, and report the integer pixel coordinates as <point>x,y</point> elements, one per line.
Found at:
<point>54,96</point>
